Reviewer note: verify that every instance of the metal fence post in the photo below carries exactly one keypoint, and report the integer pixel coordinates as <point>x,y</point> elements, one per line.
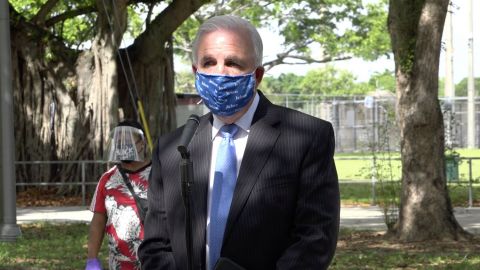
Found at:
<point>83,183</point>
<point>470,185</point>
<point>374,181</point>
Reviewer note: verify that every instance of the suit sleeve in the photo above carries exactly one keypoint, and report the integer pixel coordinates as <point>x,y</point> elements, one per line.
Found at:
<point>155,252</point>
<point>317,214</point>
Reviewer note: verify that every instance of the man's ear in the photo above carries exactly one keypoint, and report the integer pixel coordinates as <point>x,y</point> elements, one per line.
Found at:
<point>259,72</point>
<point>194,69</point>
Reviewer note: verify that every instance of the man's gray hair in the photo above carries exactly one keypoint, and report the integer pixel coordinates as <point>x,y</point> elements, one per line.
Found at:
<point>232,23</point>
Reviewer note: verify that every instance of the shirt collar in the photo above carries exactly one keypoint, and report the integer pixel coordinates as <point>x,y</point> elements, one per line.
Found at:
<point>244,122</point>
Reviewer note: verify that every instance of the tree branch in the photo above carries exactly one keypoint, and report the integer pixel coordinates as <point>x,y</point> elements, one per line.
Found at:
<point>42,14</point>
<point>282,60</point>
<point>162,27</point>
<point>149,14</point>
<point>70,14</point>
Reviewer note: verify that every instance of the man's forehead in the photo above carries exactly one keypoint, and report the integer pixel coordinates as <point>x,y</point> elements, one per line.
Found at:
<point>223,35</point>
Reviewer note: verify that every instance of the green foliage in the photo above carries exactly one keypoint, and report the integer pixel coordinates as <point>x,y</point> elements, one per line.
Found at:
<point>184,82</point>
<point>383,80</point>
<point>135,22</point>
<point>183,37</point>
<point>28,8</point>
<point>341,27</point>
<point>77,30</point>
<point>461,88</point>
<point>367,38</point>
<point>441,87</point>
<point>284,83</point>
<point>329,81</point>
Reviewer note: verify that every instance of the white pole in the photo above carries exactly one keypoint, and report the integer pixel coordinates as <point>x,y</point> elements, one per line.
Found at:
<point>449,88</point>
<point>448,30</point>
<point>471,84</point>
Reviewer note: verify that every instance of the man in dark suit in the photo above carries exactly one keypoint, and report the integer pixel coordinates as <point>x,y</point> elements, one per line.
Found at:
<point>280,210</point>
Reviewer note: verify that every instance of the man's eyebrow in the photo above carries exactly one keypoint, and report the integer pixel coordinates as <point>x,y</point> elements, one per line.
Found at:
<point>234,59</point>
<point>207,58</point>
<point>228,58</point>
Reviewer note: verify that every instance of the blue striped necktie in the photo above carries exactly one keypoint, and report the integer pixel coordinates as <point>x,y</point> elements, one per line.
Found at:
<point>222,191</point>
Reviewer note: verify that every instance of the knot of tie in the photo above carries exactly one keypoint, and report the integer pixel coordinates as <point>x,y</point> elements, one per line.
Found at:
<point>229,131</point>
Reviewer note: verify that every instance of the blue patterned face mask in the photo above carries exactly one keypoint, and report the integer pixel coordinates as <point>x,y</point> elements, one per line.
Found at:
<point>225,95</point>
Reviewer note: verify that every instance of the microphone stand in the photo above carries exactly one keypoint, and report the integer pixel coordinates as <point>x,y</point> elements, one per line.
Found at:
<point>186,171</point>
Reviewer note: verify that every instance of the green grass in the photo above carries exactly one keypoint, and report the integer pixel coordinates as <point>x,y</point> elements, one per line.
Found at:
<point>357,167</point>
<point>63,247</point>
<point>49,246</point>
<point>361,193</point>
<point>350,166</point>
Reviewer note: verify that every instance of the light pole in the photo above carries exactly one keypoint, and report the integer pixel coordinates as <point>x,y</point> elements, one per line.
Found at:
<point>471,85</point>
<point>449,83</point>
<point>448,31</point>
<point>9,230</point>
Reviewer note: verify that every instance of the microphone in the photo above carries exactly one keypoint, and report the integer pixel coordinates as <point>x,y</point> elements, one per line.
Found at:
<point>187,134</point>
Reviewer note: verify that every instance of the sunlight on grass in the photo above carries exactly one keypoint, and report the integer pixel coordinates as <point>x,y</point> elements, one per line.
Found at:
<point>362,194</point>
<point>357,168</point>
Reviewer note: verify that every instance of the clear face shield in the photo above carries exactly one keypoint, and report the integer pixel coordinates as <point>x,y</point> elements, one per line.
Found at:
<point>126,144</point>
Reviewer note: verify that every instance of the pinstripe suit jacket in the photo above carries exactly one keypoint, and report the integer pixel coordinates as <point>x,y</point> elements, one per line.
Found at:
<point>285,208</point>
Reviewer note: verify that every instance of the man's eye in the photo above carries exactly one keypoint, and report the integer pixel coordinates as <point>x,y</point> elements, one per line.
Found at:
<point>232,64</point>
<point>208,63</point>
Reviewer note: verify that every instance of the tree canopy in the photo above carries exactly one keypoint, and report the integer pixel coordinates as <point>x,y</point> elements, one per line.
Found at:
<point>72,21</point>
<point>343,28</point>
<point>461,88</point>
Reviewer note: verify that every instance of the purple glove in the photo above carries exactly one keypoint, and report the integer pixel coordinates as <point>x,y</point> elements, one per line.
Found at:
<point>93,264</point>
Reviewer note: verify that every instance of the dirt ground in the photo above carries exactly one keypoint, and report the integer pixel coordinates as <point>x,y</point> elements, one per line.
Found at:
<point>362,240</point>
<point>48,197</point>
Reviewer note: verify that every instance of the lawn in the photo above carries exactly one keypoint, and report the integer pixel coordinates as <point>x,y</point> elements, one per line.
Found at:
<point>358,166</point>
<point>355,174</point>
<point>63,247</point>
<point>362,194</point>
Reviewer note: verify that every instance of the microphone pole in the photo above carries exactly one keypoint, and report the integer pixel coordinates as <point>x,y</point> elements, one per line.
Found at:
<point>186,172</point>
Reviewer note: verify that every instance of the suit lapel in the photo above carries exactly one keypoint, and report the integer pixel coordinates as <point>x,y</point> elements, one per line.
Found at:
<point>261,140</point>
<point>200,149</point>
